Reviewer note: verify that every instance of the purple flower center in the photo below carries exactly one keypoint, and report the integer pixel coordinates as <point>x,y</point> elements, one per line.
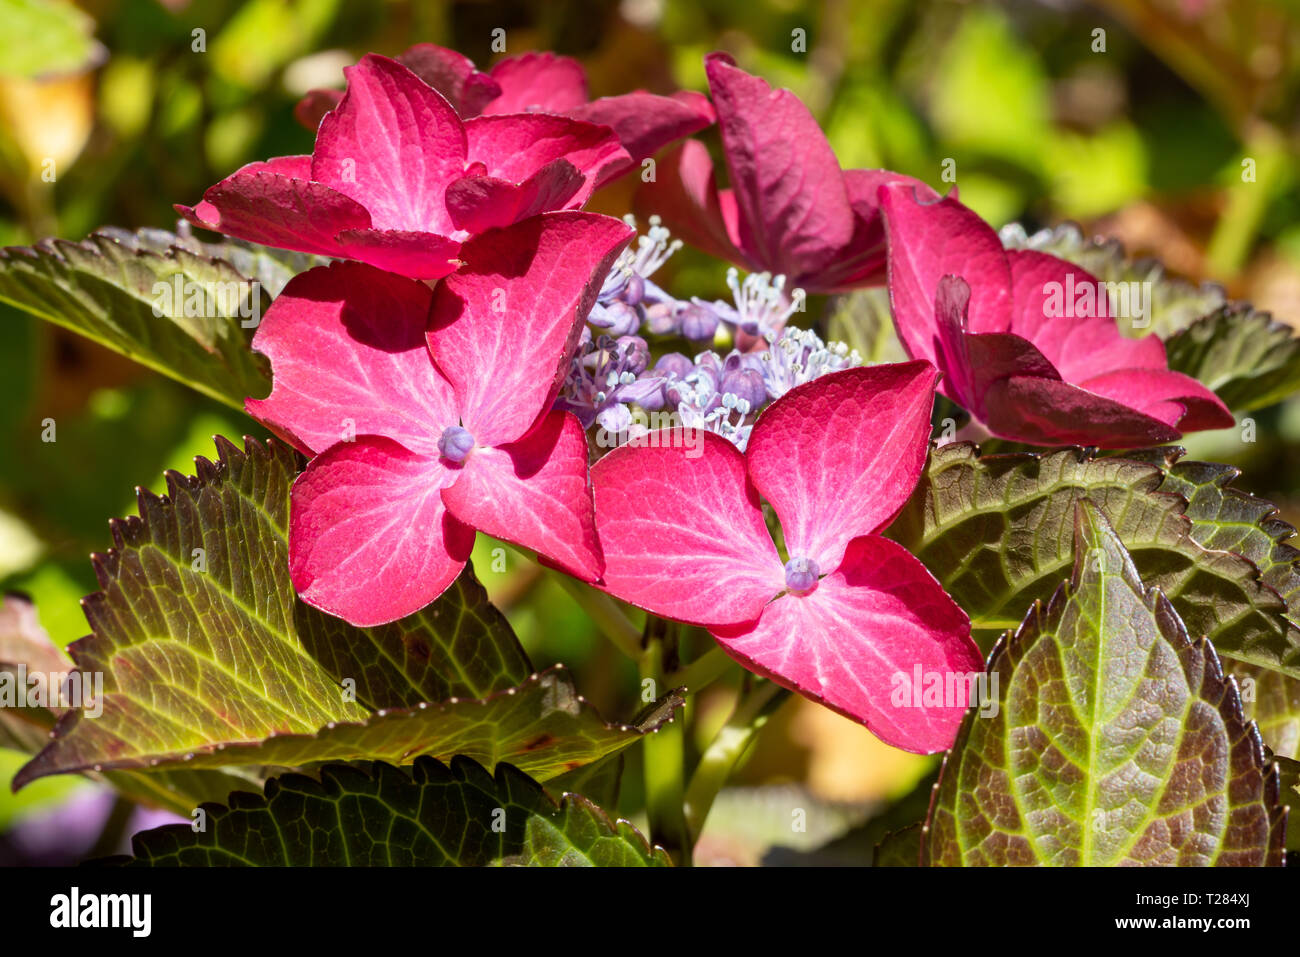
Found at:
<point>801,575</point>
<point>455,443</point>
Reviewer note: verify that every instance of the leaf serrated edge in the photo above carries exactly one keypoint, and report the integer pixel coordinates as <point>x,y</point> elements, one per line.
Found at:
<point>666,710</point>
<point>329,779</point>
<point>1175,632</point>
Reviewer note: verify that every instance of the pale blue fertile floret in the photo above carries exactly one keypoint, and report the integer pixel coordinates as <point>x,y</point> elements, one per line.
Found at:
<point>801,575</point>
<point>455,443</point>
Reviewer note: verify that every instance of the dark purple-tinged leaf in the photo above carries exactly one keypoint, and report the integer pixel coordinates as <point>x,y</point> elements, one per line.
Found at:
<point>427,815</point>
<point>1227,519</point>
<point>208,658</point>
<point>1117,739</point>
<point>997,531</point>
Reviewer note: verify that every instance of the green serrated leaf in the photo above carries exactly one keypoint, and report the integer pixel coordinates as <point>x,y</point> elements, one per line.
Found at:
<point>108,289</point>
<point>428,815</point>
<point>1117,739</point>
<point>997,531</point>
<point>1249,359</point>
<point>543,727</point>
<point>208,658</point>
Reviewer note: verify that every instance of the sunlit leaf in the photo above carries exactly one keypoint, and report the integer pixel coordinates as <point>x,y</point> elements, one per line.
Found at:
<point>998,532</point>
<point>208,658</point>
<point>1117,739</point>
<point>124,295</point>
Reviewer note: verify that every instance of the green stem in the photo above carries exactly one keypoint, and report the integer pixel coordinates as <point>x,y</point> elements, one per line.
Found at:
<point>701,672</point>
<point>665,754</point>
<point>753,709</point>
<point>1248,201</point>
<point>607,615</point>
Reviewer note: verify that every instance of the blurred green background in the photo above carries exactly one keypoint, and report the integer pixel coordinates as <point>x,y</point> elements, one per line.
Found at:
<point>1170,125</point>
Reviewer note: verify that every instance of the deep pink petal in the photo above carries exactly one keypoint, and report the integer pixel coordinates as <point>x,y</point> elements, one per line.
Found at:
<point>859,636</point>
<point>682,530</point>
<point>479,203</point>
<point>348,357</point>
<point>644,122</point>
<point>1174,398</point>
<point>515,147</point>
<point>1075,332</point>
<point>971,363</point>
<point>794,206</point>
<point>392,144</point>
<point>1045,411</point>
<point>453,75</point>
<point>837,457</point>
<point>313,106</point>
<point>932,239</point>
<point>538,83</point>
<point>276,204</point>
<point>369,537</point>
<point>504,326</point>
<point>535,493</point>
<point>417,255</point>
<point>685,196</point>
<point>862,261</point>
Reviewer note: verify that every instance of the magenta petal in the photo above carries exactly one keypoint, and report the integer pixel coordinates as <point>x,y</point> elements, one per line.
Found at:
<point>275,204</point>
<point>837,457</point>
<point>1064,311</point>
<point>1046,411</point>
<point>682,530</point>
<point>644,122</point>
<point>535,493</point>
<point>930,240</point>
<point>479,203</point>
<point>369,537</point>
<point>392,144</point>
<point>538,82</point>
<point>685,195</point>
<point>862,261</point>
<point>794,206</point>
<point>515,147</point>
<point>869,629</point>
<point>1174,398</point>
<point>453,75</point>
<point>417,255</point>
<point>504,326</point>
<point>348,357</point>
